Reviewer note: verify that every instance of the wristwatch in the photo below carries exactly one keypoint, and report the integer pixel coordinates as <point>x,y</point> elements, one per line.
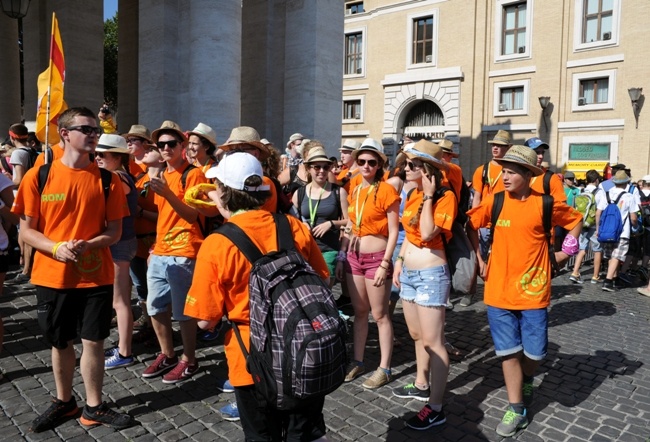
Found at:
<point>427,197</point>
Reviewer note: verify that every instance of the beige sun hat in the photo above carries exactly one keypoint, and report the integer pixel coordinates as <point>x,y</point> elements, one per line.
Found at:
<point>204,131</point>
<point>350,144</point>
<point>317,154</point>
<point>370,145</point>
<point>425,151</point>
<point>448,147</point>
<point>522,155</point>
<point>112,143</point>
<point>294,137</point>
<point>502,138</point>
<point>168,126</point>
<point>245,135</point>
<point>140,131</point>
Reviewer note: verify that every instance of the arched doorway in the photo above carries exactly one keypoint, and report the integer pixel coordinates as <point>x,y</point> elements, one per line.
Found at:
<point>424,120</point>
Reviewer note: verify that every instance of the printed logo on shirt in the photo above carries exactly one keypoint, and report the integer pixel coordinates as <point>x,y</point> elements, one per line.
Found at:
<point>534,282</point>
<point>177,238</point>
<point>52,197</point>
<point>89,262</point>
<point>444,216</point>
<point>503,223</point>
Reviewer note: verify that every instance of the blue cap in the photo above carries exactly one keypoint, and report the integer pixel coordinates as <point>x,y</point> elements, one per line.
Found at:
<point>535,142</point>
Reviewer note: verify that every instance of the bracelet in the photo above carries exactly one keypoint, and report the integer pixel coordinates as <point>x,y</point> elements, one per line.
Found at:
<point>399,258</point>
<point>382,267</point>
<point>56,247</point>
<point>387,260</point>
<point>341,256</point>
<point>332,223</point>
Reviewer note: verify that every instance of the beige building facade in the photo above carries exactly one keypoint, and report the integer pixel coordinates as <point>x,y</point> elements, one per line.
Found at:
<point>564,71</point>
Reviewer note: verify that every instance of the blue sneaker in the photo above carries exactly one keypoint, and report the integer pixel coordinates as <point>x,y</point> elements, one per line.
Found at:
<point>210,334</point>
<point>224,386</point>
<point>230,412</point>
<point>117,361</point>
<point>111,352</point>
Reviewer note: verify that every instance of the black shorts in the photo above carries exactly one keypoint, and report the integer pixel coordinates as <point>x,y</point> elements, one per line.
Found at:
<point>64,312</point>
<point>4,261</point>
<point>262,424</point>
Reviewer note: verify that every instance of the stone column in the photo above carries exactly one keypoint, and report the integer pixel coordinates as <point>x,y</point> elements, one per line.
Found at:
<point>9,75</point>
<point>127,64</point>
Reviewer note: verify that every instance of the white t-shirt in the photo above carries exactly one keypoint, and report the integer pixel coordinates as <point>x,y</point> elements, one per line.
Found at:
<point>626,205</point>
<point>4,239</point>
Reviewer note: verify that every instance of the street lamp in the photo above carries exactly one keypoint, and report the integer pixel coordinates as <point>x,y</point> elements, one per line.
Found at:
<point>18,9</point>
<point>635,95</point>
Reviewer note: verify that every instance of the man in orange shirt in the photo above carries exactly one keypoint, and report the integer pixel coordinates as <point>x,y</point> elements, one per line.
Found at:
<point>171,265</point>
<point>518,277</point>
<point>73,270</point>
<point>219,290</point>
<point>136,139</point>
<point>349,168</point>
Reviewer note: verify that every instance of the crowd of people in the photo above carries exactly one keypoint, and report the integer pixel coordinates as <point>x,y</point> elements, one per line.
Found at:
<point>106,212</point>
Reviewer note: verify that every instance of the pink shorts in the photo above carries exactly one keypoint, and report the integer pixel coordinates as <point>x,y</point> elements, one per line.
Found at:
<point>365,264</point>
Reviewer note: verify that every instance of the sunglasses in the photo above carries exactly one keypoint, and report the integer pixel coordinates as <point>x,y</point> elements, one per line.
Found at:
<point>171,143</point>
<point>99,154</point>
<point>87,130</point>
<point>371,163</point>
<point>324,167</point>
<point>411,165</point>
<point>133,140</point>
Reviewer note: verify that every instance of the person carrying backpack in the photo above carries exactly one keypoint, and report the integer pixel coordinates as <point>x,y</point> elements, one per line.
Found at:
<point>518,275</point>
<point>614,218</point>
<point>586,203</point>
<point>223,290</point>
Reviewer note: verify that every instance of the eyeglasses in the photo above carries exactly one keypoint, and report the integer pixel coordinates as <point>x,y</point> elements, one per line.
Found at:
<point>324,167</point>
<point>371,163</point>
<point>411,165</point>
<point>99,154</point>
<point>133,140</point>
<point>87,130</point>
<point>171,143</point>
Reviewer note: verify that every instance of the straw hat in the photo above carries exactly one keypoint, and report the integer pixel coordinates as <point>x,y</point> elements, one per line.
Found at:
<point>350,144</point>
<point>522,155</point>
<point>245,135</point>
<point>317,155</point>
<point>370,145</point>
<point>448,147</point>
<point>502,138</point>
<point>168,126</point>
<point>112,143</point>
<point>140,131</point>
<point>621,177</point>
<point>294,137</point>
<point>206,132</point>
<point>425,151</point>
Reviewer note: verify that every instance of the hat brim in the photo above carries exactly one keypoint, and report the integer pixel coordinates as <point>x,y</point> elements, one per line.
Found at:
<point>498,142</point>
<point>204,136</point>
<point>451,152</point>
<point>534,169</point>
<point>318,159</point>
<point>156,133</point>
<point>436,163</point>
<point>621,182</point>
<point>136,135</point>
<point>362,149</point>
<point>264,150</point>
<point>104,148</point>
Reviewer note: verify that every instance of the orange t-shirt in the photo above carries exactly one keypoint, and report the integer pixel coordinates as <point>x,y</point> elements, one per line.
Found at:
<point>271,204</point>
<point>342,174</point>
<point>204,167</point>
<point>219,289</point>
<point>136,169</point>
<point>556,186</point>
<point>57,153</point>
<point>444,213</point>
<point>145,230</point>
<point>174,235</point>
<point>519,268</point>
<point>495,183</point>
<point>367,208</point>
<point>357,179</point>
<point>453,178</point>
<point>71,207</point>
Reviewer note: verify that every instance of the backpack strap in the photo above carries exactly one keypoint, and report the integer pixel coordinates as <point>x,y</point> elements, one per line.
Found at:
<point>187,170</point>
<point>547,219</point>
<point>107,177</point>
<point>241,240</point>
<point>484,175</point>
<point>283,232</point>
<point>302,192</point>
<point>547,182</point>
<point>497,206</point>
<point>43,173</point>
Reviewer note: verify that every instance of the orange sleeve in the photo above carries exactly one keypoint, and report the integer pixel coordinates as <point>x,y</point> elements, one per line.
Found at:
<point>477,179</point>
<point>481,215</point>
<point>271,204</point>
<point>453,179</point>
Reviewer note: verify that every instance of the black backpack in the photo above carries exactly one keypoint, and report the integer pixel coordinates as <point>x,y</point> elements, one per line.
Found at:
<point>297,338</point>
<point>644,208</point>
<point>32,156</point>
<point>547,214</point>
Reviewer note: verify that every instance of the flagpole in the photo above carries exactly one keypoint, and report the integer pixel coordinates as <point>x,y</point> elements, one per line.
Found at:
<point>49,92</point>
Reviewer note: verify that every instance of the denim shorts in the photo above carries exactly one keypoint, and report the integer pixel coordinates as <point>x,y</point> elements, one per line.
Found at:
<point>124,250</point>
<point>589,241</point>
<point>516,330</point>
<point>169,279</point>
<point>366,264</point>
<point>428,287</point>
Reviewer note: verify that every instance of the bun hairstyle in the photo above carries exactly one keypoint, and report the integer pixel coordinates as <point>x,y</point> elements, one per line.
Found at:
<point>234,200</point>
<point>435,174</point>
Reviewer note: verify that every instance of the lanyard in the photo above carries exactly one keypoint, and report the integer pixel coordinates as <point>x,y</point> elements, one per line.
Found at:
<point>312,212</point>
<point>493,183</point>
<point>359,214</point>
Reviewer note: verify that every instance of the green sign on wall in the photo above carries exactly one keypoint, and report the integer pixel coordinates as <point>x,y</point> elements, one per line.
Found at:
<point>589,152</point>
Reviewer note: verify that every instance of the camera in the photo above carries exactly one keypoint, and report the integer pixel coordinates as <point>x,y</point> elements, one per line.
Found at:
<point>105,110</point>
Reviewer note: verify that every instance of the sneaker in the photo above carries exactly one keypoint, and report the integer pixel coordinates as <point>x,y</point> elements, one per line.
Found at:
<point>181,372</point>
<point>141,323</point>
<point>426,418</point>
<point>117,361</point>
<point>596,280</point>
<point>20,279</point>
<point>512,422</point>
<point>111,352</point>
<point>450,305</point>
<point>224,386</point>
<point>608,286</point>
<point>576,279</point>
<point>230,412</point>
<point>210,334</point>
<point>105,416</point>
<point>529,392</point>
<point>378,378</point>
<point>55,415</point>
<point>354,371</point>
<point>466,300</point>
<point>410,391</point>
<point>161,365</point>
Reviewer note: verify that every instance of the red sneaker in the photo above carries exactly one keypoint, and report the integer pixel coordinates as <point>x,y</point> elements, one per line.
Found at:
<point>182,371</point>
<point>160,366</point>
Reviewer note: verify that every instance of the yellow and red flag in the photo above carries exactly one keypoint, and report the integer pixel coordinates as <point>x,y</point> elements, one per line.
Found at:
<point>50,90</point>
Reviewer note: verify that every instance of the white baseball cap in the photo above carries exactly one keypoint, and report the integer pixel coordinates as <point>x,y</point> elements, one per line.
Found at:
<point>235,168</point>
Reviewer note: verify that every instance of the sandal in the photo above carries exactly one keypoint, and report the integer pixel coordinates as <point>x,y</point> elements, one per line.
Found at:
<point>453,351</point>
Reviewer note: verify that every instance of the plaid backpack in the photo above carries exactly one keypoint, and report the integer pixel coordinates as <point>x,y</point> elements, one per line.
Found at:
<point>297,338</point>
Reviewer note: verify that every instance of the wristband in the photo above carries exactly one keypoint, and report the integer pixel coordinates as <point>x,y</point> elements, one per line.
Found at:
<point>341,256</point>
<point>56,247</point>
<point>399,258</point>
<point>570,246</point>
<point>332,223</point>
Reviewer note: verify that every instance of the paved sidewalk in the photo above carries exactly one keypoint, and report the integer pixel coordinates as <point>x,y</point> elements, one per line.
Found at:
<point>594,385</point>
